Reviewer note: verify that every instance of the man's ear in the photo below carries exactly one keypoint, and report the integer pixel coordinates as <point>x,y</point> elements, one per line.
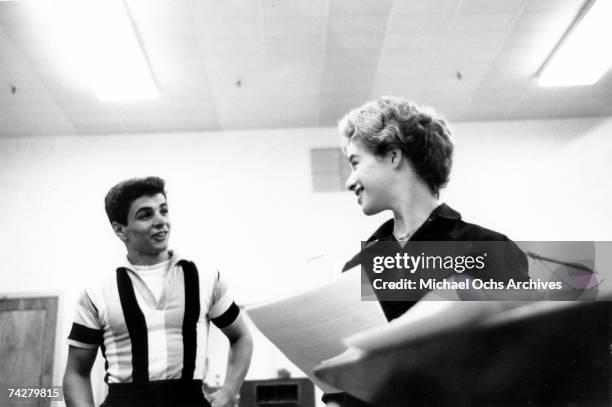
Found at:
<point>395,157</point>
<point>119,230</point>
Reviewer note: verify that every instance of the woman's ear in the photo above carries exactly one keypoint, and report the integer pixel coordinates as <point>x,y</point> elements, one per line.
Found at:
<point>395,157</point>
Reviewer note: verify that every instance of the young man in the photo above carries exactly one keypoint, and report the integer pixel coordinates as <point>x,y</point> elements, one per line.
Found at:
<point>401,156</point>
<point>151,315</point>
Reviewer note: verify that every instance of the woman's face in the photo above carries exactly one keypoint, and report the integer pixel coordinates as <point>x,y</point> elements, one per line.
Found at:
<point>370,179</point>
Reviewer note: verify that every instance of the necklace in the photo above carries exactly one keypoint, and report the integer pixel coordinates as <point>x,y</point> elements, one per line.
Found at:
<point>405,236</point>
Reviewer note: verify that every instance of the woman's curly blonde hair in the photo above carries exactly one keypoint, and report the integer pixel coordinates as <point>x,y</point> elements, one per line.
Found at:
<point>421,135</point>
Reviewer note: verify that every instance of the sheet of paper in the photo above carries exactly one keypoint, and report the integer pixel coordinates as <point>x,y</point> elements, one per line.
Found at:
<point>309,327</point>
<point>425,319</point>
<point>433,318</point>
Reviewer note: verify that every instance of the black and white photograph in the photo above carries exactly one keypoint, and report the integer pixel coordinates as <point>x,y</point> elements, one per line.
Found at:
<point>305,203</point>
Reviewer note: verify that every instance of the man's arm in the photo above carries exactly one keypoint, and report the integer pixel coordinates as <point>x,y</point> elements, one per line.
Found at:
<point>77,381</point>
<point>238,361</point>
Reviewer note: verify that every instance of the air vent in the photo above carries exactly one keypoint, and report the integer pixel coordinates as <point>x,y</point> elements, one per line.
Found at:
<point>330,169</point>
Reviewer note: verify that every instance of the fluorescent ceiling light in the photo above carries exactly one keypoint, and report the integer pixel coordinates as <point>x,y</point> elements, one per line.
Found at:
<point>97,42</point>
<point>585,53</point>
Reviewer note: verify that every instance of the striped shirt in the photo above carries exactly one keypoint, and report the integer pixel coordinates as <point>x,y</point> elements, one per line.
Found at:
<point>144,337</point>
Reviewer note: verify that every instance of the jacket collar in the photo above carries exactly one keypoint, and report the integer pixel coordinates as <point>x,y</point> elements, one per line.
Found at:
<point>174,259</point>
<point>442,211</point>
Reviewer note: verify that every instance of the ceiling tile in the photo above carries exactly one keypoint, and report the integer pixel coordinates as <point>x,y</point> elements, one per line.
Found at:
<point>349,75</point>
<point>487,102</point>
<point>312,61</point>
<point>219,30</point>
<point>192,115</point>
<point>236,62</point>
<point>398,87</point>
<point>93,127</point>
<point>13,12</point>
<point>270,63</point>
<point>489,42</point>
<point>416,41</point>
<point>544,103</point>
<point>581,107</point>
<point>424,7</point>
<point>407,58</point>
<point>448,80</point>
<point>220,45</point>
<point>293,8</point>
<point>420,24</point>
<point>338,91</point>
<point>156,31</point>
<point>368,44</point>
<point>37,119</point>
<point>333,112</point>
<point>455,58</point>
<point>553,4</point>
<point>161,10</point>
<point>545,19</point>
<point>478,22</point>
<point>207,10</point>
<point>351,8</point>
<point>487,6</point>
<point>184,85</point>
<point>365,26</point>
<point>349,59</point>
<point>290,27</point>
<point>294,45</point>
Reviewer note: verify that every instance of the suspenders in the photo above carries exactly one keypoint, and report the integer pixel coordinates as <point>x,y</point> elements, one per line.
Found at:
<point>137,326</point>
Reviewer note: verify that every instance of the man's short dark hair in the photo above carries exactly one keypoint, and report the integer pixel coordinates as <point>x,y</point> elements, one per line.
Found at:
<point>120,197</point>
<point>417,131</point>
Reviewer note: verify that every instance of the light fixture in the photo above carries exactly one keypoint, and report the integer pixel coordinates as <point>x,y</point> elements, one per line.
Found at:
<point>97,42</point>
<point>584,54</point>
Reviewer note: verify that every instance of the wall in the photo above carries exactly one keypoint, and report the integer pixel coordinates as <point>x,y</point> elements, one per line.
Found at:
<point>245,199</point>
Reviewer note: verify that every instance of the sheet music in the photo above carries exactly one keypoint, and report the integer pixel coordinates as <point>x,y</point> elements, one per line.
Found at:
<point>309,327</point>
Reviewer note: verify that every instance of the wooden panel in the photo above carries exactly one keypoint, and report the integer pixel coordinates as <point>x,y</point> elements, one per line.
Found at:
<point>27,340</point>
<point>21,350</point>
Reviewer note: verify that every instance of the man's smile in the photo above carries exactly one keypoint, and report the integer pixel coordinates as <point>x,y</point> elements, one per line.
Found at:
<point>160,236</point>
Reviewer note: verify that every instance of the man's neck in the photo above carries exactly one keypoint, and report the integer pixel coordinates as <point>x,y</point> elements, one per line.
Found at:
<point>147,259</point>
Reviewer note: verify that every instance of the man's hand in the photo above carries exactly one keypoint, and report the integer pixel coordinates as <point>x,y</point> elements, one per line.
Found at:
<point>332,404</point>
<point>219,398</point>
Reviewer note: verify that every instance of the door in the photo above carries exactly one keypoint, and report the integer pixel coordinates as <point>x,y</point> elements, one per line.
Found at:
<point>27,343</point>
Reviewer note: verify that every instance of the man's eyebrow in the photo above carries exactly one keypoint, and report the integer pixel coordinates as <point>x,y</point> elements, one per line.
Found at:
<point>150,208</point>
<point>142,209</point>
<point>351,157</point>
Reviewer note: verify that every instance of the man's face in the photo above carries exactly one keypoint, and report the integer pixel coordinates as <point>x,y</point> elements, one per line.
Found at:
<point>370,178</point>
<point>148,225</point>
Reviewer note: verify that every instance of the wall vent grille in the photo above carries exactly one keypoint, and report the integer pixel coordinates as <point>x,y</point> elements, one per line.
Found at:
<point>330,169</point>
